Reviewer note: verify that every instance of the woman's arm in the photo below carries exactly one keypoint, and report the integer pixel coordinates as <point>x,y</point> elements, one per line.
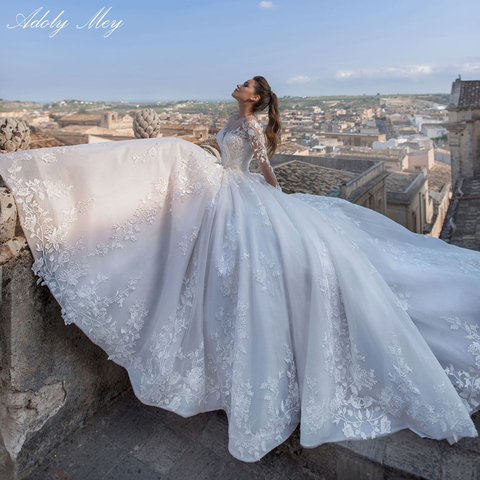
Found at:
<point>257,142</point>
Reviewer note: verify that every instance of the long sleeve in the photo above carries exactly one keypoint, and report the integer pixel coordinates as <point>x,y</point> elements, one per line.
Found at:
<point>257,142</point>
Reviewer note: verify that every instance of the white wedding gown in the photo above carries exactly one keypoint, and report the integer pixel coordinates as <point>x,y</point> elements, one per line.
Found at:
<point>216,290</point>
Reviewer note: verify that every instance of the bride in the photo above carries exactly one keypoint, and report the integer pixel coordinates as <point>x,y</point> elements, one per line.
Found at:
<point>216,290</point>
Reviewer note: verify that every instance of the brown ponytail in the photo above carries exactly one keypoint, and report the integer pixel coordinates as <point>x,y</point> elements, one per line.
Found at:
<point>270,100</point>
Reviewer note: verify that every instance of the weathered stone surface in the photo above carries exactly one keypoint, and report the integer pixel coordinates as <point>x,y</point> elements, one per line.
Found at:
<point>371,449</point>
<point>85,455</point>
<point>465,215</point>
<point>127,437</point>
<point>27,411</point>
<point>11,248</point>
<point>462,465</point>
<point>52,376</point>
<point>129,468</point>
<point>8,215</point>
<point>163,450</point>
<point>355,467</point>
<point>408,452</point>
<point>112,445</point>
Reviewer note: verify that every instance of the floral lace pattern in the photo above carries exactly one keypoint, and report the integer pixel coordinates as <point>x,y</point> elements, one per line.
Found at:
<point>466,381</point>
<point>359,412</point>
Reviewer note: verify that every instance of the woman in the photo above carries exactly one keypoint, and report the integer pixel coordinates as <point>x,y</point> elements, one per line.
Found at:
<point>216,290</point>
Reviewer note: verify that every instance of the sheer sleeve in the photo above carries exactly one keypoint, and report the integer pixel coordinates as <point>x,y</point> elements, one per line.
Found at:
<point>256,140</point>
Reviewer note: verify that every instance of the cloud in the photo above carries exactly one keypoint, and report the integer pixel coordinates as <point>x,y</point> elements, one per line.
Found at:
<point>267,5</point>
<point>405,71</point>
<point>344,74</point>
<point>469,67</point>
<point>299,79</point>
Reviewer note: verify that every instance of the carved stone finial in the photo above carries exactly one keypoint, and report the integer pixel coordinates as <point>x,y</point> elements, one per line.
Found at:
<point>14,135</point>
<point>146,124</point>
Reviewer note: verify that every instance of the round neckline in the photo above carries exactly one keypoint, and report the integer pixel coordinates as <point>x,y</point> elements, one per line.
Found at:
<point>237,127</point>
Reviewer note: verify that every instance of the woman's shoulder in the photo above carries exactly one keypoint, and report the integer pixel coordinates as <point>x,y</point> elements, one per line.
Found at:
<point>251,120</point>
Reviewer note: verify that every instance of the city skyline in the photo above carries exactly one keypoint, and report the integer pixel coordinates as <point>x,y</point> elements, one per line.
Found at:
<point>200,51</point>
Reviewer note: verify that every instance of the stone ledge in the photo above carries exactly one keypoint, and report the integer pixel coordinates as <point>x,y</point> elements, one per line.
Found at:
<point>52,376</point>
<point>11,248</point>
<point>127,433</point>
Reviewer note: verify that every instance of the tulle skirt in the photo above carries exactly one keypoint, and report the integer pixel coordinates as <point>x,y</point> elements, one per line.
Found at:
<point>214,290</point>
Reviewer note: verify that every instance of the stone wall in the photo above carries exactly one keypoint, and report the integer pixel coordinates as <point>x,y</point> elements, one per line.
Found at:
<point>464,140</point>
<point>52,376</point>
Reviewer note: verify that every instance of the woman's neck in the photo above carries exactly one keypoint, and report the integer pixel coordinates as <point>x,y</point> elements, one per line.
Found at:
<point>243,115</point>
<point>243,111</point>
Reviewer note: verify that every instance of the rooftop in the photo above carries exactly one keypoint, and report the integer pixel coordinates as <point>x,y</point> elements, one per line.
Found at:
<point>462,223</point>
<point>81,116</point>
<point>439,175</point>
<point>399,181</point>
<point>302,177</point>
<point>40,138</point>
<point>465,94</point>
<point>290,148</point>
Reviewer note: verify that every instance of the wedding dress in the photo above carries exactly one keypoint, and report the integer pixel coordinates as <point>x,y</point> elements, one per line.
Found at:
<point>216,290</point>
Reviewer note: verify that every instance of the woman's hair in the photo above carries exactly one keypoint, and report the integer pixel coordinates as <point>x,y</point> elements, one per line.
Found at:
<point>270,100</point>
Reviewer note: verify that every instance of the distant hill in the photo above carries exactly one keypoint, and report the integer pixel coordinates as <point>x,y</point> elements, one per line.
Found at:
<point>224,108</point>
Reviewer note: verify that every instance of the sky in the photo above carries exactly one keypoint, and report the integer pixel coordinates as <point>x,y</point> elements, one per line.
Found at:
<point>200,50</point>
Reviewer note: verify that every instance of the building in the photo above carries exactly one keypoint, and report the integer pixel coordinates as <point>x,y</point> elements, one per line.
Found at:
<point>362,182</point>
<point>408,201</point>
<point>463,216</point>
<point>464,128</point>
<point>356,139</point>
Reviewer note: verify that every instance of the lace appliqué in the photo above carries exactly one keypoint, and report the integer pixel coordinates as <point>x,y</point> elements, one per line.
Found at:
<point>260,208</point>
<point>401,298</point>
<point>256,140</point>
<point>364,416</point>
<point>163,381</point>
<point>423,257</point>
<point>195,177</point>
<point>81,304</point>
<point>186,239</point>
<point>226,265</point>
<point>151,152</point>
<point>265,275</point>
<point>467,383</point>
<point>280,416</point>
<point>145,212</point>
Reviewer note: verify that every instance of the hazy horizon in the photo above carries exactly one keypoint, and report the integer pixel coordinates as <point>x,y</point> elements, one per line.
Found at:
<point>208,100</point>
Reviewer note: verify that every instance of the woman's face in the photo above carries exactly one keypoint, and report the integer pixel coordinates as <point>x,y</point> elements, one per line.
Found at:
<point>244,91</point>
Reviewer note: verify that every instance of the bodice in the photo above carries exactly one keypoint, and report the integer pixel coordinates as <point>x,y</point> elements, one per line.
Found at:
<point>239,145</point>
<point>235,148</point>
